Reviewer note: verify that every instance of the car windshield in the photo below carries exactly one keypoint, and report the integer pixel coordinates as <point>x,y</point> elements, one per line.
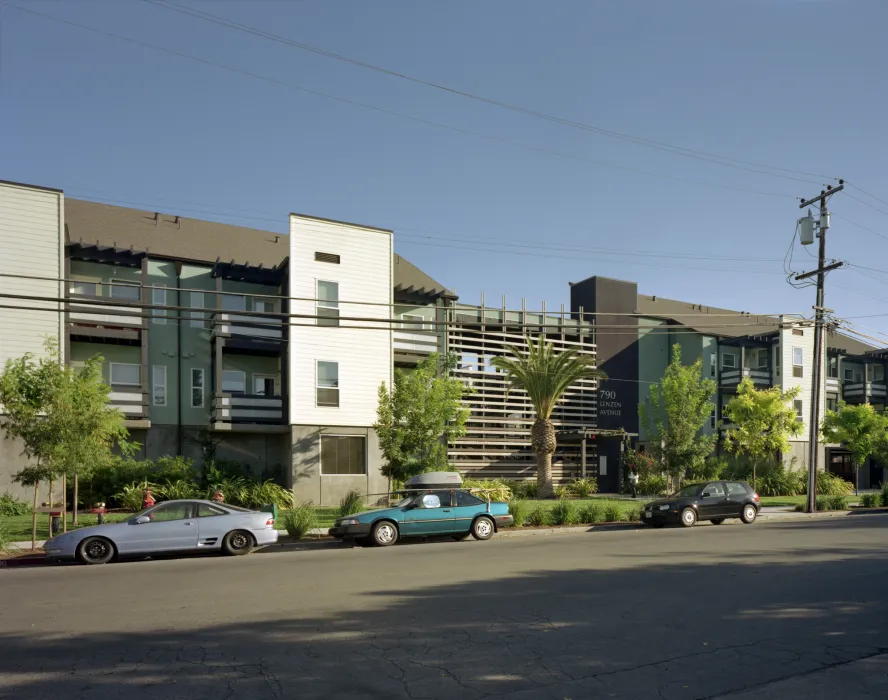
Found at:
<point>692,490</point>
<point>404,501</point>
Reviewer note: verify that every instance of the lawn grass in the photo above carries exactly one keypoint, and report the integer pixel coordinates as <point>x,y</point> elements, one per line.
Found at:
<point>18,527</point>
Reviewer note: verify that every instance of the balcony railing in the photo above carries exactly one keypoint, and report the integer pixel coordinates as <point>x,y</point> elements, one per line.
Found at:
<point>760,375</point>
<point>863,391</point>
<point>245,326</point>
<point>248,408</point>
<point>415,342</point>
<point>132,403</point>
<point>126,315</point>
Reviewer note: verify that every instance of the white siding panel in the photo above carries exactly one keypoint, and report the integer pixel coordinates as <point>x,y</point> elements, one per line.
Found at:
<point>364,274</point>
<point>30,244</point>
<point>788,341</point>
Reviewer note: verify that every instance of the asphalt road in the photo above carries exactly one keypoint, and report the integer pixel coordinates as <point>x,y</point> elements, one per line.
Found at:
<point>769,610</point>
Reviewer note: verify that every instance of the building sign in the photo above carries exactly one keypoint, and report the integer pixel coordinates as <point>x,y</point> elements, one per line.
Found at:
<point>609,404</point>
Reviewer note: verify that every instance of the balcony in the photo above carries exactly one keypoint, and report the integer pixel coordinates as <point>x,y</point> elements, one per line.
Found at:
<point>235,325</point>
<point>760,376</point>
<point>408,343</point>
<point>97,320</point>
<point>256,410</point>
<point>864,392</point>
<point>133,404</point>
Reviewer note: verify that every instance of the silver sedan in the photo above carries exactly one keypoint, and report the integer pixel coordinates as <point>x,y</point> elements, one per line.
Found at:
<point>169,527</point>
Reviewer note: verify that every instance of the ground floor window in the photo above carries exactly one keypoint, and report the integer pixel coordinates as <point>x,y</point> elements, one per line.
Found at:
<point>343,454</point>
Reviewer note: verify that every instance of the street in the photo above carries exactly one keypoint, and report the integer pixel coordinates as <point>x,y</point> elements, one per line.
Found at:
<point>766,611</point>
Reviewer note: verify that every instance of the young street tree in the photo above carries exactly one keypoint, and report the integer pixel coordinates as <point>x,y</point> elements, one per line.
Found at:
<point>419,416</point>
<point>860,429</point>
<point>61,415</point>
<point>545,375</point>
<point>679,406</point>
<point>763,421</point>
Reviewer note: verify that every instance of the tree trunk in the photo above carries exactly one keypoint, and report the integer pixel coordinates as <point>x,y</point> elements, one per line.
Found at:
<point>64,502</point>
<point>51,489</point>
<point>542,439</point>
<point>74,507</point>
<point>753,476</point>
<point>34,518</point>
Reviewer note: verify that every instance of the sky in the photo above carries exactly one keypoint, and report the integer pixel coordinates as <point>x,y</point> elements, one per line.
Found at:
<point>482,197</point>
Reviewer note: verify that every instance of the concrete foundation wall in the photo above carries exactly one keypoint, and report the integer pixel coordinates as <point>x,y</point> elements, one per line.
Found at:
<point>310,485</point>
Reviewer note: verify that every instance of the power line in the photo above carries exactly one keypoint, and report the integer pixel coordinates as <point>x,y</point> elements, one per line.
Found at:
<point>669,148</point>
<point>863,191</point>
<point>384,110</point>
<point>867,204</point>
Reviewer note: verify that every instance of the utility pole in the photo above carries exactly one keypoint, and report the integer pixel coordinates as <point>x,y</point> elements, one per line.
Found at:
<point>819,312</point>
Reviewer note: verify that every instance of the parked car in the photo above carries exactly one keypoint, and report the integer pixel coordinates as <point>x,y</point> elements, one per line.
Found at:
<point>169,527</point>
<point>432,504</point>
<point>715,501</point>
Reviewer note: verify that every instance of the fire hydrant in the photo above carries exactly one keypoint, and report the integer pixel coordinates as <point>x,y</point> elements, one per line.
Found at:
<point>147,500</point>
<point>100,511</point>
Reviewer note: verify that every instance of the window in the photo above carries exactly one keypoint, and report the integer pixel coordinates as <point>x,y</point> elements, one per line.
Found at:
<point>713,490</point>
<point>761,358</point>
<point>729,359</point>
<point>832,368</point>
<point>799,407</point>
<point>197,317</point>
<point>467,499</point>
<point>234,302</point>
<point>263,306</point>
<point>234,381</point>
<point>159,298</point>
<point>159,385</point>
<point>879,373</point>
<point>415,323</point>
<point>264,385</point>
<point>735,489</point>
<point>849,374</point>
<point>798,331</point>
<point>166,512</point>
<point>328,303</point>
<point>328,384</point>
<point>712,364</point>
<point>197,388</point>
<point>798,360</point>
<point>84,288</point>
<point>125,374</point>
<point>124,290</point>
<point>712,418</point>
<point>830,404</point>
<point>341,454</point>
<point>327,258</point>
<point>205,510</point>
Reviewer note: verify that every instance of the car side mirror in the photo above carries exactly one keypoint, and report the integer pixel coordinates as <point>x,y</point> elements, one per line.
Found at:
<point>142,520</point>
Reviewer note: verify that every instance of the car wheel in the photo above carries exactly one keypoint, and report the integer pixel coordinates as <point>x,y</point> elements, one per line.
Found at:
<point>461,537</point>
<point>688,517</point>
<point>482,528</point>
<point>749,513</point>
<point>238,543</point>
<point>95,550</point>
<point>384,534</point>
<point>717,521</point>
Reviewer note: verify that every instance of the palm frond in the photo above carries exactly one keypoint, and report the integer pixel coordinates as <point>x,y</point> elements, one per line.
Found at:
<point>545,374</point>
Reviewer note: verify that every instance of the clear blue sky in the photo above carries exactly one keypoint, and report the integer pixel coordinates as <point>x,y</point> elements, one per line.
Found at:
<point>797,84</point>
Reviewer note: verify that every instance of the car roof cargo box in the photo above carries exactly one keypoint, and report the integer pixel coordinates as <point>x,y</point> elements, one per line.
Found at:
<point>434,479</point>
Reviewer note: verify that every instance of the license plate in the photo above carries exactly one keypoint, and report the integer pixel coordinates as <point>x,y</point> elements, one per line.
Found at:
<point>647,514</point>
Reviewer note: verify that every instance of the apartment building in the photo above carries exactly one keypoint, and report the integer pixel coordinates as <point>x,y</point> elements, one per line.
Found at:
<point>636,333</point>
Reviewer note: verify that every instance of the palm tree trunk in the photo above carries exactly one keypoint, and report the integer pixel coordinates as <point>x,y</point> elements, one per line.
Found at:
<point>542,439</point>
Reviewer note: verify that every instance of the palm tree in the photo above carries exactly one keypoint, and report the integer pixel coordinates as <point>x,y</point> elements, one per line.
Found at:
<point>545,375</point>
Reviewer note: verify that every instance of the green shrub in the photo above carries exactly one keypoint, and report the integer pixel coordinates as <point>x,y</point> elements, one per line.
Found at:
<point>581,488</point>
<point>175,490</point>
<point>258,495</point>
<point>538,516</point>
<point>351,503</point>
<point>11,506</point>
<point>6,546</point>
<point>130,496</point>
<point>832,485</point>
<point>168,470</point>
<point>824,503</point>
<point>652,484</point>
<point>838,502</point>
<point>564,513</point>
<point>519,510</point>
<point>884,496</point>
<point>800,508</point>
<point>633,515</point>
<point>497,489</point>
<point>563,491</point>
<point>233,490</point>
<point>612,512</point>
<point>592,513</point>
<point>524,488</point>
<point>869,500</point>
<point>300,520</point>
<point>711,468</point>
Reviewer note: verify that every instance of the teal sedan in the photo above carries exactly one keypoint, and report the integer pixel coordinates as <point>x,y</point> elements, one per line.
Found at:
<point>435,512</point>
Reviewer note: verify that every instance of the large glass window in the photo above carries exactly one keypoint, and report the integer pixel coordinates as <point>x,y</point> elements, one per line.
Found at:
<point>234,381</point>
<point>159,298</point>
<point>197,317</point>
<point>234,302</point>
<point>84,288</point>
<point>125,374</point>
<point>197,388</point>
<point>124,290</point>
<point>328,384</point>
<point>159,385</point>
<point>328,303</point>
<point>343,454</point>
<point>729,360</point>
<point>799,409</point>
<point>798,362</point>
